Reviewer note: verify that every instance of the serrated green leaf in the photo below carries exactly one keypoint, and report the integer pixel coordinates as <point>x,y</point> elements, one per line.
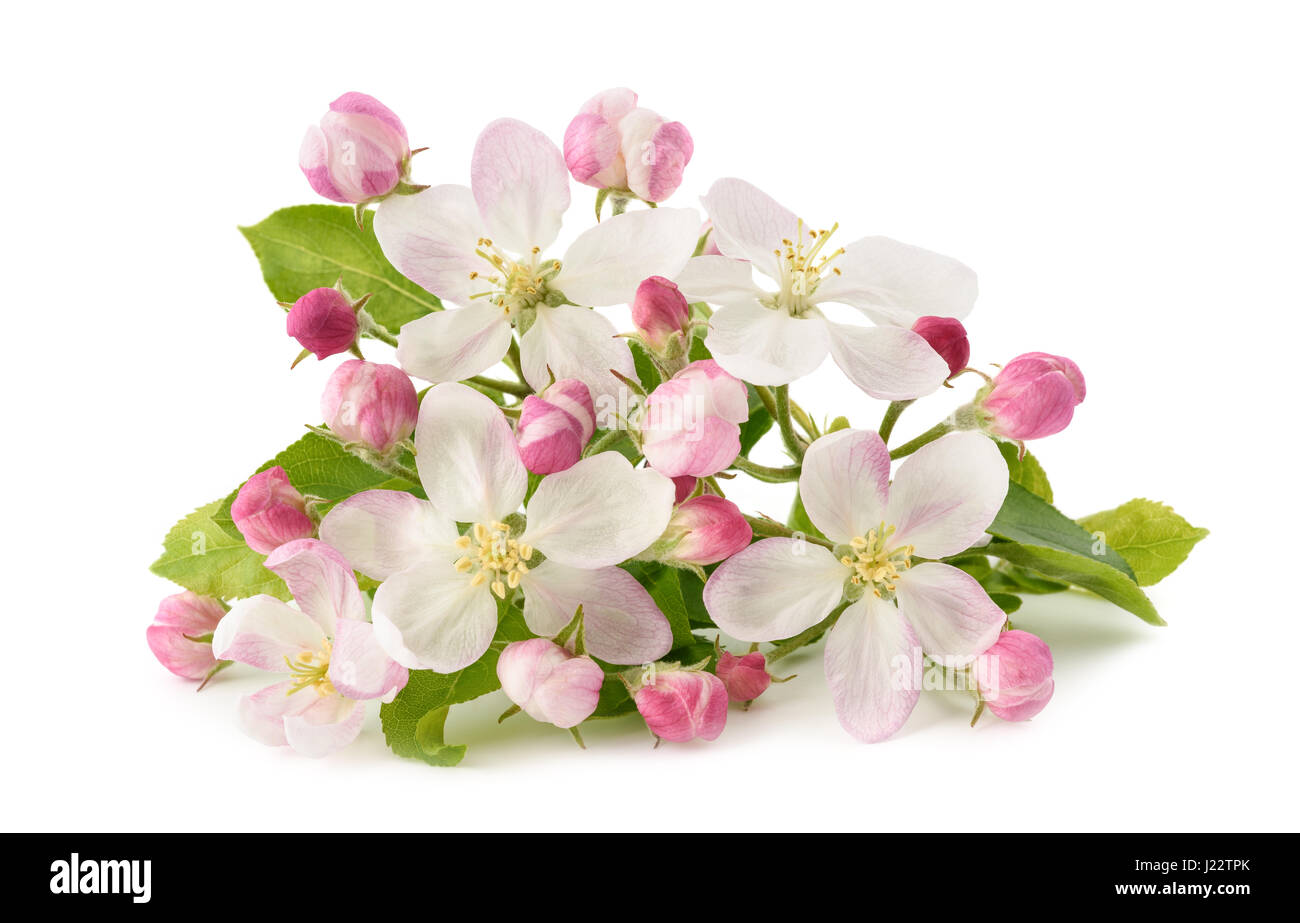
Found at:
<point>1150,535</point>
<point>1085,571</point>
<point>200,556</point>
<point>310,246</point>
<point>1031,520</point>
<point>1027,472</point>
<point>432,748</point>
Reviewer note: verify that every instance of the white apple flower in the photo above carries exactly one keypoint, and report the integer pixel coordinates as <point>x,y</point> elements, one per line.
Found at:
<point>774,337</point>
<point>481,247</point>
<point>941,501</point>
<point>436,607</point>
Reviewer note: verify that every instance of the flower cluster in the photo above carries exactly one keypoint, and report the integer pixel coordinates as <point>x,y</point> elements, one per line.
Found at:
<point>527,499</point>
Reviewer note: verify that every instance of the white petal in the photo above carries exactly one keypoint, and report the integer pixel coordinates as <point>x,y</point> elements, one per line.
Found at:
<point>951,612</point>
<point>599,512</point>
<point>467,456</point>
<point>521,185</point>
<point>748,224</point>
<point>899,282</point>
<point>330,723</point>
<point>621,622</point>
<point>359,667</point>
<point>606,263</point>
<point>717,279</point>
<point>572,342</point>
<point>381,532</point>
<point>262,713</point>
<point>945,495</point>
<point>889,363</point>
<point>844,484</point>
<point>320,580</point>
<point>430,237</point>
<point>765,346</point>
<point>774,589</point>
<point>261,631</point>
<point>431,618</point>
<point>872,660</point>
<point>455,344</point>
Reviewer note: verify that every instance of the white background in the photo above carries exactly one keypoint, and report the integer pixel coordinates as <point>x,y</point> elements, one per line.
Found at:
<point>1122,176</point>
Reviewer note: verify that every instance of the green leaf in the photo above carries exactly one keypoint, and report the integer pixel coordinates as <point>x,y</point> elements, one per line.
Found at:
<point>759,422</point>
<point>1031,520</point>
<point>1006,602</point>
<point>433,749</point>
<point>1026,472</point>
<point>1151,537</point>
<point>662,583</point>
<point>614,701</point>
<point>646,371</point>
<point>310,246</point>
<point>1086,571</point>
<point>799,519</point>
<point>200,556</point>
<point>698,350</point>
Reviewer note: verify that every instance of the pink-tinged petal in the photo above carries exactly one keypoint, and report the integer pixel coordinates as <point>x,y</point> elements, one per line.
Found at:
<point>359,667</point>
<point>606,263</point>
<point>718,392</point>
<point>430,237</point>
<point>656,153</point>
<point>898,283</point>
<point>1015,676</point>
<point>313,160</point>
<point>592,154</point>
<point>946,336</point>
<point>1033,408</point>
<point>748,224</point>
<point>660,312</point>
<point>684,486</point>
<point>360,104</point>
<point>680,705</point>
<point>889,363</point>
<point>705,530</point>
<point>951,613</point>
<point>621,622</point>
<point>945,495</point>
<point>370,403</point>
<point>718,280</point>
<point>261,631</point>
<point>521,185</point>
<point>550,683</point>
<point>765,346</point>
<point>701,449</point>
<point>381,532</point>
<point>599,512</point>
<point>467,457</point>
<point>329,724</point>
<point>774,589</point>
<point>574,398</point>
<point>262,714</point>
<point>844,483</point>
<point>454,345</point>
<point>431,618</point>
<point>269,511</point>
<point>181,615</point>
<point>573,342</point>
<point>872,661</point>
<point>611,105</point>
<point>321,581</point>
<point>550,440</point>
<point>746,678</point>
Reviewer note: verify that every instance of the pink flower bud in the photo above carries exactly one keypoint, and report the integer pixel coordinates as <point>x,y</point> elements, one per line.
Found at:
<point>358,153</point>
<point>746,678</point>
<point>613,144</point>
<point>181,618</point>
<point>705,530</point>
<point>370,403</point>
<point>324,322</point>
<point>550,683</point>
<point>679,705</point>
<point>947,337</point>
<point>660,312</point>
<point>269,512</point>
<point>1015,677</point>
<point>1033,396</point>
<point>691,424</point>
<point>684,485</point>
<point>554,426</point>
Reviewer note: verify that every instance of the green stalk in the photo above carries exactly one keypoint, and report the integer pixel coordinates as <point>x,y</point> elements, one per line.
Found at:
<point>930,435</point>
<point>805,637</point>
<point>794,445</point>
<point>765,473</point>
<point>892,414</point>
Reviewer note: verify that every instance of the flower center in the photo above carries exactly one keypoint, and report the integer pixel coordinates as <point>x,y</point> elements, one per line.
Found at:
<point>873,564</point>
<point>515,284</point>
<point>311,670</point>
<point>492,556</point>
<point>804,261</point>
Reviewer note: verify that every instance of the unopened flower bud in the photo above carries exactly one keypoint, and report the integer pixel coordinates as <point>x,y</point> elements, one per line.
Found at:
<point>704,530</point>
<point>555,426</point>
<point>947,337</point>
<point>181,620</point>
<point>1015,678</point>
<point>324,322</point>
<point>1033,396</point>
<point>661,315</point>
<point>358,153</point>
<point>550,683</point>
<point>614,144</point>
<point>746,678</point>
<point>684,485</point>
<point>692,421</point>
<point>370,403</point>
<point>680,705</point>
<point>270,512</point>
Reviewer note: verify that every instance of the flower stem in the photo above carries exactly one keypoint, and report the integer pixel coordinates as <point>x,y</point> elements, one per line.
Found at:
<point>378,332</point>
<point>793,443</point>
<point>805,422</point>
<point>805,637</point>
<point>505,387</point>
<point>892,414</point>
<point>930,435</point>
<point>770,528</point>
<point>764,473</point>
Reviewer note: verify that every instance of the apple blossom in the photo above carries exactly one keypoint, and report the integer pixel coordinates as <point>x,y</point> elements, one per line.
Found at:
<point>1023,664</point>
<point>550,683</point>
<point>371,404</point>
<point>947,337</point>
<point>482,247</point>
<point>269,512</point>
<point>325,645</point>
<point>358,153</point>
<point>745,677</point>
<point>1033,396</point>
<point>941,500</point>
<point>703,530</point>
<point>682,704</point>
<point>691,424</point>
<point>180,633</point>
<point>614,144</point>
<point>662,316</point>
<point>773,337</point>
<point>324,322</point>
<point>555,426</point>
<point>437,605</point>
